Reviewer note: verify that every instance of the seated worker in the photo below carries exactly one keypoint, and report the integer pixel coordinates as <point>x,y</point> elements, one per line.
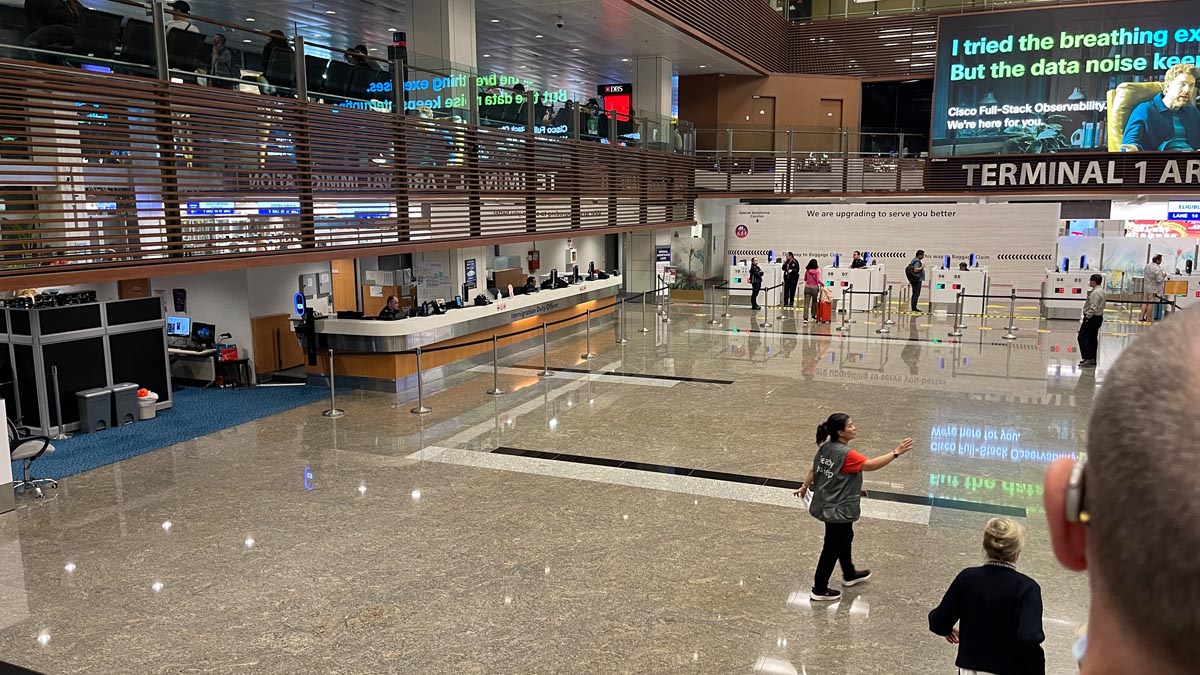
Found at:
<point>392,310</point>
<point>531,286</point>
<point>1170,121</point>
<point>963,267</point>
<point>859,261</point>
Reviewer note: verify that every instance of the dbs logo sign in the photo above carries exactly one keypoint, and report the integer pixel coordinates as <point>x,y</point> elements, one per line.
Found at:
<point>742,231</point>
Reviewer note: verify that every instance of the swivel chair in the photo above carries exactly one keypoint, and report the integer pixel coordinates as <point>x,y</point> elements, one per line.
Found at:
<point>27,449</point>
<point>1121,102</point>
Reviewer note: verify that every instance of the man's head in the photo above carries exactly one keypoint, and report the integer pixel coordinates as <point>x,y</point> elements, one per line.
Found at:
<point>921,254</point>
<point>181,6</point>
<point>858,254</point>
<point>1139,540</point>
<point>1096,280</point>
<point>1179,86</point>
<point>218,40</point>
<point>1157,260</point>
<point>791,256</point>
<point>754,261</point>
<point>393,303</point>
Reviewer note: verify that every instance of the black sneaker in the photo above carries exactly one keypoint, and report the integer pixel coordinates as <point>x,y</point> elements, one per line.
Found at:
<point>858,578</point>
<point>828,595</point>
<point>1091,363</point>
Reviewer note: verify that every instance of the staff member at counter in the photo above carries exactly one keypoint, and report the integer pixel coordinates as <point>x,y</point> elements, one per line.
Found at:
<point>391,311</point>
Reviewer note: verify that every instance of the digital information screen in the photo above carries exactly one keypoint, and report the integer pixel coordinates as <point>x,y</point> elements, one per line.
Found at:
<point>1051,80</point>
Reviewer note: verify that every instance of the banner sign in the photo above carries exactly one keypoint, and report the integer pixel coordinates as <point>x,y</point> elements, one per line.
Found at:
<point>1065,173</point>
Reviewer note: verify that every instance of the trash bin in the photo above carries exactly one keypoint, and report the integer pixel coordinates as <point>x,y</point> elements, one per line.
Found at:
<point>95,410</point>
<point>146,402</point>
<point>125,403</point>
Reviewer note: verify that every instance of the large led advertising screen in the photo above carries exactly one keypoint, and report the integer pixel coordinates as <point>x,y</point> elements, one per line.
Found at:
<point>1098,78</point>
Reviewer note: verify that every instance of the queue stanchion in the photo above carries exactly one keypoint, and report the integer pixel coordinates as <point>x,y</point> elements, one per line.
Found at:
<point>644,329</point>
<point>333,411</point>
<point>545,353</point>
<point>958,307</point>
<point>727,314</point>
<point>496,390</point>
<point>666,314</point>
<point>845,327</point>
<point>421,409</point>
<point>588,355</point>
<point>781,316</point>
<point>712,308</point>
<point>1012,318</point>
<point>887,313</point>
<point>766,322</point>
<point>962,310</point>
<point>621,324</point>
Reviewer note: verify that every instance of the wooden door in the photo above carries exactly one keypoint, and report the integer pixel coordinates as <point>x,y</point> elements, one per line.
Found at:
<point>831,118</point>
<point>275,345</point>
<point>345,285</point>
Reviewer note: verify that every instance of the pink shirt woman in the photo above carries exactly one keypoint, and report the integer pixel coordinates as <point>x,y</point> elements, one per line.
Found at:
<point>812,277</point>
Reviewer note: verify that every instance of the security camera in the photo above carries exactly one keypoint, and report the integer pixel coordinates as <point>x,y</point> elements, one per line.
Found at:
<point>558,22</point>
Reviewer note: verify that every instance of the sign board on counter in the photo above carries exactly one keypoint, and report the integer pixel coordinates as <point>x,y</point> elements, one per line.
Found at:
<point>1183,210</point>
<point>472,273</point>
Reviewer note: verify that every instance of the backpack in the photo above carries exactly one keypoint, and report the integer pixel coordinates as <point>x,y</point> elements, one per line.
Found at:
<point>911,273</point>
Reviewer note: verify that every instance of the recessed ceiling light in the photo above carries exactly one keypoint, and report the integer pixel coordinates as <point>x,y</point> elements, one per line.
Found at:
<point>703,66</point>
<point>330,11</point>
<point>374,49</point>
<point>624,60</point>
<point>246,41</point>
<point>487,56</point>
<point>250,19</point>
<point>539,36</point>
<point>495,20</point>
<point>575,49</point>
<point>525,67</point>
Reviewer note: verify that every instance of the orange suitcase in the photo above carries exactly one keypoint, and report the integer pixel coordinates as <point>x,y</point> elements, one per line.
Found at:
<point>825,311</point>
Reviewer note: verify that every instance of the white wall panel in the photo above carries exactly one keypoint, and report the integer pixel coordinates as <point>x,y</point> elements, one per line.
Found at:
<point>1015,241</point>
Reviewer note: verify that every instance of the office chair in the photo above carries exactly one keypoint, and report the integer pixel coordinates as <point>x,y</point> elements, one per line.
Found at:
<point>99,33</point>
<point>27,449</point>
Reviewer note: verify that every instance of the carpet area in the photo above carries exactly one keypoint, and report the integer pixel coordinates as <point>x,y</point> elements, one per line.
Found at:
<point>197,412</point>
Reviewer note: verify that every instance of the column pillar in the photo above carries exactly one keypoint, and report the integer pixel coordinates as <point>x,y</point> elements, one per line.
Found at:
<point>442,30</point>
<point>652,97</point>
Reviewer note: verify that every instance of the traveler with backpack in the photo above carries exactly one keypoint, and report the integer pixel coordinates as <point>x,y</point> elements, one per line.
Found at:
<point>916,278</point>
<point>836,481</point>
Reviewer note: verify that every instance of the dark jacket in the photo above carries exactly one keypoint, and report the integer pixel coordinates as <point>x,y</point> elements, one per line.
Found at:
<point>1150,125</point>
<point>50,13</point>
<point>756,274</point>
<point>858,264</point>
<point>999,612</point>
<point>791,269</point>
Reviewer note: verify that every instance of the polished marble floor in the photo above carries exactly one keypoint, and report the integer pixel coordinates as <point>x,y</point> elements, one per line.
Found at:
<point>629,514</point>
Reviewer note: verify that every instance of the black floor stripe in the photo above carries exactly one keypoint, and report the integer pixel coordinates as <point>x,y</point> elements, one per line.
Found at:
<point>644,376</point>
<point>899,498</point>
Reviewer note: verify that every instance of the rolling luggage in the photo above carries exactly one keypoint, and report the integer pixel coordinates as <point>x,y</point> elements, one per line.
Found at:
<point>824,312</point>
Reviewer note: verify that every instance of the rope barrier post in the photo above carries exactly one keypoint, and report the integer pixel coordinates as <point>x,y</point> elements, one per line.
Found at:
<point>588,355</point>
<point>621,325</point>
<point>58,420</point>
<point>420,409</point>
<point>727,313</point>
<point>958,307</point>
<point>887,311</point>
<point>666,313</point>
<point>781,316</point>
<point>545,353</point>
<point>1012,318</point>
<point>845,327</point>
<point>643,329</point>
<point>766,322</point>
<point>850,307</point>
<point>496,390</point>
<point>712,309</point>
<point>962,309</point>
<point>333,411</point>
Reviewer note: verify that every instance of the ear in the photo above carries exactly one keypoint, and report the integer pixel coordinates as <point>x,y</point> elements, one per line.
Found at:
<point>1068,539</point>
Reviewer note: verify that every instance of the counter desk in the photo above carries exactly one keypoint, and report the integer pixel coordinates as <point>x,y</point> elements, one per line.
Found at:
<point>369,354</point>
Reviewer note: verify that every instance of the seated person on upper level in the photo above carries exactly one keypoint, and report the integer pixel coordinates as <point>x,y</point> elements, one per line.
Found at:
<point>392,310</point>
<point>859,261</point>
<point>1170,121</point>
<point>531,286</point>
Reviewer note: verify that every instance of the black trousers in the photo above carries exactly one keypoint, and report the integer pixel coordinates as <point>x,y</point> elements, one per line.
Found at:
<point>1089,337</point>
<point>789,291</point>
<point>916,295</point>
<point>838,540</point>
<point>757,288</point>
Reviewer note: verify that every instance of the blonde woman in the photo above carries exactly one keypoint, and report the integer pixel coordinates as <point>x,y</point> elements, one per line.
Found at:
<point>998,610</point>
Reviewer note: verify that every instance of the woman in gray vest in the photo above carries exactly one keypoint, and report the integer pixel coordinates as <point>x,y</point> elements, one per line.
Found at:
<point>836,482</point>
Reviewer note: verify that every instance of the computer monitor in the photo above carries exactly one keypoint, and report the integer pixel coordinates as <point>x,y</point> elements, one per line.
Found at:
<point>179,326</point>
<point>204,333</point>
